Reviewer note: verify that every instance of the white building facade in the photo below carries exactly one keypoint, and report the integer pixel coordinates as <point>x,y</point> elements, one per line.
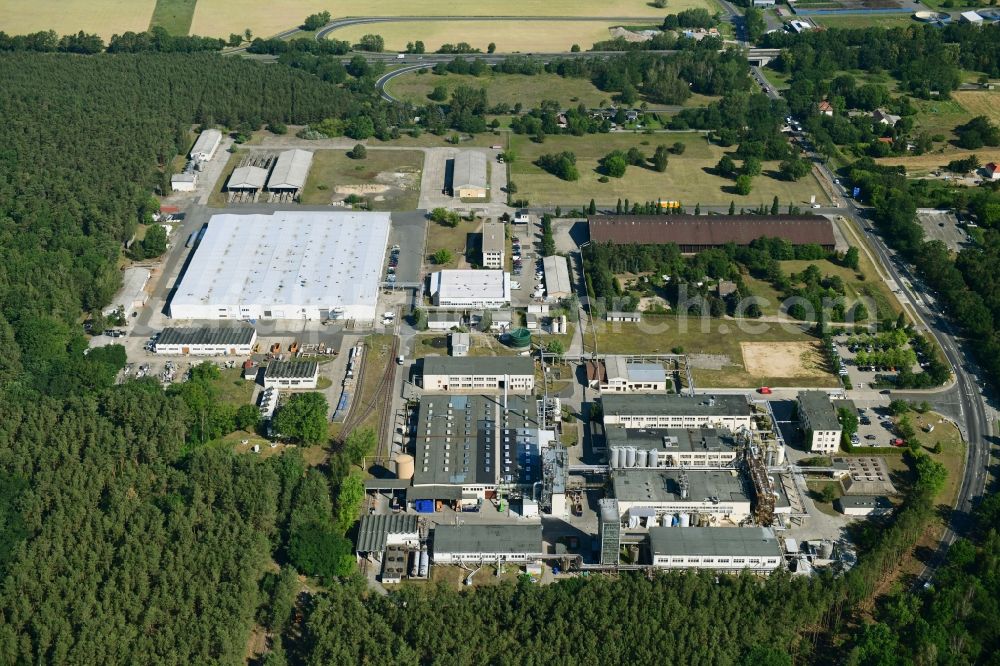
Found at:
<point>470,374</point>
<point>488,289</point>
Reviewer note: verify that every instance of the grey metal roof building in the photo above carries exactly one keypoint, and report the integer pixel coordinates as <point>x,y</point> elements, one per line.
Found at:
<point>694,233</point>
<point>494,243</point>
<point>247,178</point>
<point>206,145</point>
<point>816,408</point>
<point>505,540</point>
<point>864,505</point>
<point>479,365</point>
<point>291,170</point>
<point>216,336</point>
<point>714,541</point>
<point>671,410</point>
<point>374,530</point>
<point>652,486</point>
<point>557,282</point>
<point>688,440</point>
<point>468,180</point>
<point>470,440</point>
<point>291,369</point>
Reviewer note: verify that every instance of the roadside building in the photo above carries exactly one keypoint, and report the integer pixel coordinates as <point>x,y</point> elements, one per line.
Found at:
<point>764,3</point>
<point>478,373</point>
<point>206,145</point>
<point>132,295</point>
<point>291,374</point>
<point>671,410</point>
<point>824,108</point>
<point>522,217</point>
<point>557,282</point>
<point>470,288</point>
<point>697,497</point>
<point>460,344</point>
<point>184,182</point>
<point>819,421</point>
<point>379,531</point>
<point>468,178</point>
<point>729,549</point>
<point>473,544</point>
<point>494,241</point>
<point>992,171</point>
<point>621,376</point>
<point>290,172</point>
<point>694,233</point>
<point>864,505</point>
<point>465,446</point>
<point>444,320</point>
<point>214,341</point>
<point>690,448</point>
<point>631,317</point>
<point>499,320</point>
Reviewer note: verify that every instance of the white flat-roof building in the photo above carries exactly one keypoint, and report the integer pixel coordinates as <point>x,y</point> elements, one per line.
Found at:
<point>620,376</point>
<point>445,320</point>
<point>206,145</point>
<point>470,288</point>
<point>712,497</point>
<point>184,182</point>
<point>508,542</point>
<point>247,178</point>
<point>478,373</point>
<point>468,176</point>
<point>291,374</point>
<point>722,549</point>
<point>494,241</point>
<point>286,265</point>
<point>132,295</point>
<point>657,410</point>
<point>557,284</point>
<point>460,344</point>
<point>290,171</point>
<point>864,505</point>
<point>691,448</point>
<point>819,421</point>
<point>971,17</point>
<point>215,341</point>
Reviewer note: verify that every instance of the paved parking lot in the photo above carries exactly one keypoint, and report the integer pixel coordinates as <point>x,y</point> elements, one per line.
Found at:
<point>943,226</point>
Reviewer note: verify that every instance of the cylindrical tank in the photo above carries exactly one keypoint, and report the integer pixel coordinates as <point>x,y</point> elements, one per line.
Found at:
<point>615,457</point>
<point>640,458</point>
<point>770,458</point>
<point>666,520</point>
<point>424,562</point>
<point>520,338</point>
<point>653,459</point>
<point>414,564</point>
<point>629,457</point>
<point>779,459</point>
<point>685,520</point>
<point>826,550</point>
<point>674,520</point>
<point>404,466</point>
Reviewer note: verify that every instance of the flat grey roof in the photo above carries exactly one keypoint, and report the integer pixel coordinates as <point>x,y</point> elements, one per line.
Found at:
<point>618,367</point>
<point>506,538</point>
<point>290,170</point>
<point>434,492</point>
<point>556,275</point>
<point>291,370</point>
<point>479,365</point>
<point>732,541</point>
<point>493,237</point>
<point>247,178</point>
<point>469,170</point>
<point>685,440</point>
<point>673,404</point>
<point>214,336</point>
<point>470,440</point>
<point>865,502</point>
<point>659,485</point>
<point>374,530</point>
<point>822,415</point>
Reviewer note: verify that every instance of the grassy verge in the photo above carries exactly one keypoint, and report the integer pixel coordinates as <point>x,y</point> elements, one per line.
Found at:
<point>849,21</point>
<point>390,180</point>
<point>689,177</point>
<point>173,15</point>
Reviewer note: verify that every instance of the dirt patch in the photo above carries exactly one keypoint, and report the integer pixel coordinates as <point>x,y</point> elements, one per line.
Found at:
<point>361,189</point>
<point>630,36</point>
<point>708,361</point>
<point>783,359</point>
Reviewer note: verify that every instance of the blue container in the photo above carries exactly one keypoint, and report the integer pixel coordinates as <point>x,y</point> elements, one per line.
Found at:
<point>423,506</point>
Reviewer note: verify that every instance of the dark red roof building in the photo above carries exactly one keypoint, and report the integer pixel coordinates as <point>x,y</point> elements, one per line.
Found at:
<point>694,233</point>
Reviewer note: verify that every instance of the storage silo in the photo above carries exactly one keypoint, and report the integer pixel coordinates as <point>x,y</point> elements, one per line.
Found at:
<point>640,458</point>
<point>629,456</point>
<point>414,563</point>
<point>424,563</point>
<point>653,458</point>
<point>404,466</point>
<point>520,338</point>
<point>685,520</point>
<point>779,458</point>
<point>615,457</point>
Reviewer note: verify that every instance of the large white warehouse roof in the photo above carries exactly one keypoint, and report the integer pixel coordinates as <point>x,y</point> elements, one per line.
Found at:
<point>285,265</point>
<point>290,170</point>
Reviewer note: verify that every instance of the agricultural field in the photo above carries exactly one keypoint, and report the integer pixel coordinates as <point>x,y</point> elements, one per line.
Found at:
<point>689,178</point>
<point>509,36</point>
<point>217,17</point>
<point>716,349</point>
<point>101,17</point>
<point>980,103</point>
<point>509,88</point>
<point>921,165</point>
<point>173,15</point>
<point>390,179</point>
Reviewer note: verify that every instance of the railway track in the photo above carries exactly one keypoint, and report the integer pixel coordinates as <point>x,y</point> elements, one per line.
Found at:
<point>381,397</point>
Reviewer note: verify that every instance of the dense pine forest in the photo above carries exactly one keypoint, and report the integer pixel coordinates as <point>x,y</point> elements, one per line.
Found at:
<point>126,539</point>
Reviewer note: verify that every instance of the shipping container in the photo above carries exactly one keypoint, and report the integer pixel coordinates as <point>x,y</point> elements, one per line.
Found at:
<point>423,506</point>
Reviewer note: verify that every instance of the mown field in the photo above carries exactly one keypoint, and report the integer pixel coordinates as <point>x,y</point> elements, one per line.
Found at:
<point>102,17</point>
<point>509,36</point>
<point>689,178</point>
<point>173,15</point>
<point>219,17</point>
<point>389,178</point>
<point>848,21</point>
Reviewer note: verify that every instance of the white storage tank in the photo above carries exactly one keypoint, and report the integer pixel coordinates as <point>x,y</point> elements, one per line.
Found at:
<point>629,457</point>
<point>414,564</point>
<point>640,458</point>
<point>779,459</point>
<point>685,520</point>
<point>653,458</point>
<point>615,457</point>
<point>424,563</point>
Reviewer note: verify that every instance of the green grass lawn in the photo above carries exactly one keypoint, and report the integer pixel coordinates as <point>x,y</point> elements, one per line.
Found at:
<point>390,179</point>
<point>454,239</point>
<point>866,21</point>
<point>688,177</point>
<point>660,334</point>
<point>174,15</point>
<point>530,91</point>
<point>861,283</point>
<point>939,116</point>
